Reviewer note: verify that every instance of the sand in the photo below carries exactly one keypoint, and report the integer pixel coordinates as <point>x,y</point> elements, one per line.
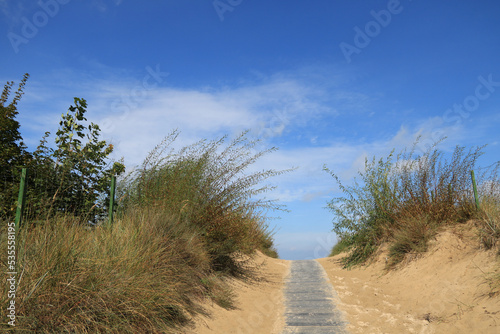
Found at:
<point>259,304</point>
<point>442,291</point>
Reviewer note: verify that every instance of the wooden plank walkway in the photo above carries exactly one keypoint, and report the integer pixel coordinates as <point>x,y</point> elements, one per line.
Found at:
<point>309,301</point>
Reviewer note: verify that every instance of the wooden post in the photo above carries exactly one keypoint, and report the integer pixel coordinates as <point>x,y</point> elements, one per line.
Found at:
<point>112,199</point>
<point>474,186</point>
<point>20,199</point>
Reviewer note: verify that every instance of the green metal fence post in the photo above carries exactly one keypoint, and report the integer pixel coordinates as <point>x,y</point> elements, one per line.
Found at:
<point>21,198</point>
<point>112,199</point>
<point>474,186</point>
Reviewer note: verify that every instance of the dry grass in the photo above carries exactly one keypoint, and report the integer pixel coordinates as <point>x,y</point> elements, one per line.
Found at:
<point>488,221</point>
<point>488,224</point>
<point>184,220</point>
<point>207,186</point>
<point>403,200</point>
<point>142,275</point>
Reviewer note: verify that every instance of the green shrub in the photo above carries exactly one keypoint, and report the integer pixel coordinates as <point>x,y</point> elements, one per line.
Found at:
<point>186,221</point>
<point>342,246</point>
<point>403,199</point>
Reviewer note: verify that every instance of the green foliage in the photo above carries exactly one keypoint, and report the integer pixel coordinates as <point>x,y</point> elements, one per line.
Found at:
<point>72,178</point>
<point>342,246</point>
<point>412,239</point>
<point>205,185</point>
<point>404,200</point>
<point>13,153</point>
<point>186,220</point>
<point>77,169</point>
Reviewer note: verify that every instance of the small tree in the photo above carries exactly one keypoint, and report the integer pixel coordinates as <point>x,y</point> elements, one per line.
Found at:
<point>13,154</point>
<point>74,177</point>
<point>80,165</point>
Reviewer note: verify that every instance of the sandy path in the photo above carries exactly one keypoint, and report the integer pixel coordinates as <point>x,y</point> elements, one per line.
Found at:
<point>443,291</point>
<point>259,305</point>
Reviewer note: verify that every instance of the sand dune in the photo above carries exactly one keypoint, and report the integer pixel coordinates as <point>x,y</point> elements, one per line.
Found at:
<point>442,291</point>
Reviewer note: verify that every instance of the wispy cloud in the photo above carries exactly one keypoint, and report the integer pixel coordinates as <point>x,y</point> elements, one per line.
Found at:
<point>280,109</point>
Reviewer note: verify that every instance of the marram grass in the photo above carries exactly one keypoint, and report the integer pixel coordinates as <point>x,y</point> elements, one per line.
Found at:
<point>403,200</point>
<point>185,219</point>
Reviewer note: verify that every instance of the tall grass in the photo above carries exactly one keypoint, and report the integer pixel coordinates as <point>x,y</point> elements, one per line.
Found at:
<point>143,275</point>
<point>185,220</point>
<point>489,221</point>
<point>207,185</point>
<point>405,199</point>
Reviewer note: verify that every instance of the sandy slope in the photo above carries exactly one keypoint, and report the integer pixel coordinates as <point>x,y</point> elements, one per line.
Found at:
<point>259,305</point>
<point>443,291</point>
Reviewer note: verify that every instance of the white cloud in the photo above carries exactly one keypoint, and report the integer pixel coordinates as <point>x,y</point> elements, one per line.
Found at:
<point>277,109</point>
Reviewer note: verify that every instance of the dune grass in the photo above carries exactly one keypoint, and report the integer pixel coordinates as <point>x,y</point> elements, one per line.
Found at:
<point>404,200</point>
<point>488,221</point>
<point>207,185</point>
<point>185,220</point>
<point>144,274</point>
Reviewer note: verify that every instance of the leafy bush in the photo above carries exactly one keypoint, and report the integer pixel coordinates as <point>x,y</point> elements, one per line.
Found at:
<point>412,239</point>
<point>72,178</point>
<point>186,220</point>
<point>342,246</point>
<point>404,199</point>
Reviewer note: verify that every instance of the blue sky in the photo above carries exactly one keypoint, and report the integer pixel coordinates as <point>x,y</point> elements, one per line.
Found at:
<point>328,82</point>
